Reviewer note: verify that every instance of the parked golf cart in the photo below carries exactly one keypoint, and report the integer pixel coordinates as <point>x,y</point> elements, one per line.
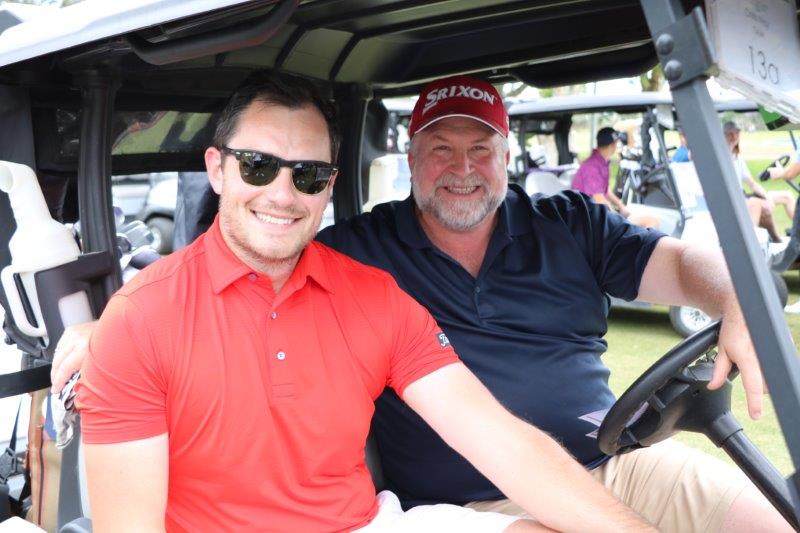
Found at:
<point>108,67</point>
<point>646,180</point>
<point>150,198</point>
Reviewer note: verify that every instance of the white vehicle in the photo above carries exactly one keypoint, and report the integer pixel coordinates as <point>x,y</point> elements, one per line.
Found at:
<point>134,85</point>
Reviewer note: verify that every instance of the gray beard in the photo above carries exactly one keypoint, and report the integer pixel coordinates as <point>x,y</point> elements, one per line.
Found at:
<point>458,215</point>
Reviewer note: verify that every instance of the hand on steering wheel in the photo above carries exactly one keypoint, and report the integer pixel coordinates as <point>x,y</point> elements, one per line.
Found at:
<point>672,396</point>
<point>782,161</point>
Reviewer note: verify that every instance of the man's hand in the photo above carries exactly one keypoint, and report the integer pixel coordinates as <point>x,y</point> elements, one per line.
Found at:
<point>71,350</point>
<point>776,171</point>
<point>735,347</point>
<point>682,274</point>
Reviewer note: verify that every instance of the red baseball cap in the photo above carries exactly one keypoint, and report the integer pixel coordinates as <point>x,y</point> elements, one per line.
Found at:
<point>459,96</point>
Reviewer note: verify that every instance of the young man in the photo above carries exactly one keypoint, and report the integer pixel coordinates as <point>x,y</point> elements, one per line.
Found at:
<point>592,179</point>
<point>230,386</point>
<point>519,288</point>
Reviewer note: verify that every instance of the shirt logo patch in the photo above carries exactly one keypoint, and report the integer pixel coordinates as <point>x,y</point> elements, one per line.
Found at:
<point>444,342</point>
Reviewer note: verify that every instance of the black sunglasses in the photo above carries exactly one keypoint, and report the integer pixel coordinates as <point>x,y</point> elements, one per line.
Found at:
<point>258,168</point>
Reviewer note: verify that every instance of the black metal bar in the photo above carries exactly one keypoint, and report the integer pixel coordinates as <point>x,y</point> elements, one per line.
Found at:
<point>94,170</point>
<point>245,35</point>
<point>352,100</point>
<point>768,480</point>
<point>288,47</point>
<point>746,263</point>
<point>342,57</point>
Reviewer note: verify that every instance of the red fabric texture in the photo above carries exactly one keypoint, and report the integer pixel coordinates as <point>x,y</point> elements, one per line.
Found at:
<point>267,399</point>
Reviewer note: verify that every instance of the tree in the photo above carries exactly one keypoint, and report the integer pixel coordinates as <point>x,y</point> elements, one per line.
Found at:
<point>652,80</point>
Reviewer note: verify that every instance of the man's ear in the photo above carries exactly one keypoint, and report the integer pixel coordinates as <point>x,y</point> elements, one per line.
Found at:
<point>213,159</point>
<point>330,186</point>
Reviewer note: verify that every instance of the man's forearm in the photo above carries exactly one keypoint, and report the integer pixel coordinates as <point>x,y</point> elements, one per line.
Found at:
<point>567,497</point>
<point>524,462</point>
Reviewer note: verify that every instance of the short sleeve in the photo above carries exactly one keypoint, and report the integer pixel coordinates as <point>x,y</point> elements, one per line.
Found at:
<point>623,250</point>
<point>419,346</point>
<point>617,251</point>
<point>121,395</point>
<point>590,181</point>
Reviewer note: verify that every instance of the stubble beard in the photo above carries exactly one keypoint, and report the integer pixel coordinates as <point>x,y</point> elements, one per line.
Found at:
<point>238,236</point>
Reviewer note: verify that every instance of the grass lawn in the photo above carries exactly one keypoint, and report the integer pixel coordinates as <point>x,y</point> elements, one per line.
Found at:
<point>636,339</point>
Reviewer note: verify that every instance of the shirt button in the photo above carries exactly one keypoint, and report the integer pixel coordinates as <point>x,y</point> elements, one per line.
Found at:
<point>477,290</point>
<point>273,315</point>
<point>281,356</point>
<point>252,276</point>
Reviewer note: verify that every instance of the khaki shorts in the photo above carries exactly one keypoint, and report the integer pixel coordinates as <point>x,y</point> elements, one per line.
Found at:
<point>677,488</point>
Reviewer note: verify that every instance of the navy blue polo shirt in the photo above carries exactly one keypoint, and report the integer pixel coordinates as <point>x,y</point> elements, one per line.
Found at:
<point>530,326</point>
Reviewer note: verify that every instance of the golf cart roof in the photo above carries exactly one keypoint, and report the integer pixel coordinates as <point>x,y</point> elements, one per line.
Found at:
<point>621,103</point>
<point>393,47</point>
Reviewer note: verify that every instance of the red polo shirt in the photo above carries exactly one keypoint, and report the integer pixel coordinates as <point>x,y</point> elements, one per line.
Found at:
<point>267,399</point>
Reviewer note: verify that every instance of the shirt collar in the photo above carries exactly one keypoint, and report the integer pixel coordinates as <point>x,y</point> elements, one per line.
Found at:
<point>596,154</point>
<point>224,267</point>
<point>511,220</point>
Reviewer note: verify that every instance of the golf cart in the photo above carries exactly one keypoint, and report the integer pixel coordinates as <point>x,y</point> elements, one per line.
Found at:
<point>646,181</point>
<point>74,83</point>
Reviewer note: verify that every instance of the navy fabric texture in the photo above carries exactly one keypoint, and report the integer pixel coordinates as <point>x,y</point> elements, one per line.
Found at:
<point>530,326</point>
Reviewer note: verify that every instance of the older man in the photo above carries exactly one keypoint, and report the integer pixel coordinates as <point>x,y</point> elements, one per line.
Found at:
<point>519,287</point>
<point>230,386</point>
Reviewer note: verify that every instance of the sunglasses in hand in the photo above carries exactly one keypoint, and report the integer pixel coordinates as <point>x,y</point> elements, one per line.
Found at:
<point>258,168</point>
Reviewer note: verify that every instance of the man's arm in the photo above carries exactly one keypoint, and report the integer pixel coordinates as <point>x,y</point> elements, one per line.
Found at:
<point>756,187</point>
<point>682,274</point>
<point>785,173</point>
<point>525,463</point>
<point>128,485</point>
<point>617,204</point>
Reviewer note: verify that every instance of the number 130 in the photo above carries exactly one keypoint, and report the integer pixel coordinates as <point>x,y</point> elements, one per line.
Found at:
<point>761,68</point>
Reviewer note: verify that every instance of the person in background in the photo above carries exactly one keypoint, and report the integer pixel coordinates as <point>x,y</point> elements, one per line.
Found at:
<point>592,179</point>
<point>760,202</point>
<point>682,153</point>
<point>789,172</point>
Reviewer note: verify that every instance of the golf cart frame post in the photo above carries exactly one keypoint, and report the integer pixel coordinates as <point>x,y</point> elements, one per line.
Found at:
<point>687,61</point>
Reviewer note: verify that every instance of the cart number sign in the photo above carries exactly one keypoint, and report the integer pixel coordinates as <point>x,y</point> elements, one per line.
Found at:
<point>757,45</point>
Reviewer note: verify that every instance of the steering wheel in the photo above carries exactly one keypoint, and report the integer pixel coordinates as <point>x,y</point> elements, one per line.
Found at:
<point>782,161</point>
<point>672,396</point>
